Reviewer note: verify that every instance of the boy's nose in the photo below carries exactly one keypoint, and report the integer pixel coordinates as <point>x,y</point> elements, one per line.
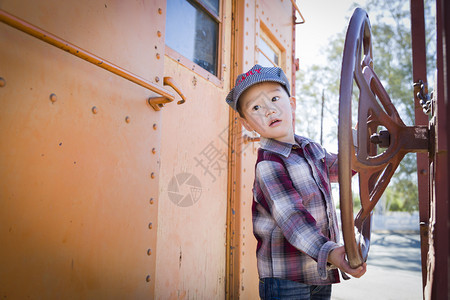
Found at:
<point>270,110</point>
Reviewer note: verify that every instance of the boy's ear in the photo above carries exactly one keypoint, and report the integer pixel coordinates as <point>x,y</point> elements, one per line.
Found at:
<point>245,123</point>
<point>293,102</point>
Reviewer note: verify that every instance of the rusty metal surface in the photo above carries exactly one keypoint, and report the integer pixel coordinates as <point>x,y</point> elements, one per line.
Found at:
<point>79,179</point>
<point>438,260</point>
<point>423,170</point>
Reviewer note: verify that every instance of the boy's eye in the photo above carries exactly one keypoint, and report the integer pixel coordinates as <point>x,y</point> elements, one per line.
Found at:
<point>256,107</point>
<point>276,98</point>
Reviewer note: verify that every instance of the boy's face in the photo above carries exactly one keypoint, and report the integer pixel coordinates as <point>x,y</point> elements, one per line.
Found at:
<point>269,111</point>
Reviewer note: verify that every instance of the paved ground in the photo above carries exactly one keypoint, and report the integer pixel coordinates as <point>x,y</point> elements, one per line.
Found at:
<point>393,270</point>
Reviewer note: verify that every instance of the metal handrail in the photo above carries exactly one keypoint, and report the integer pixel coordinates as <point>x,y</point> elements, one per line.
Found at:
<point>51,39</point>
<point>298,10</point>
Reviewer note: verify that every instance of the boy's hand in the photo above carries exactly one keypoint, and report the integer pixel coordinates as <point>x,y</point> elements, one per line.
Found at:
<point>337,258</point>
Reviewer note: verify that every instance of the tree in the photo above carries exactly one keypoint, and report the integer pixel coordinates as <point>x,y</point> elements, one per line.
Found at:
<point>391,38</point>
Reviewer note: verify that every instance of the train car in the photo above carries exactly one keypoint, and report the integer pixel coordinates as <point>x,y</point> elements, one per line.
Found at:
<point>124,174</point>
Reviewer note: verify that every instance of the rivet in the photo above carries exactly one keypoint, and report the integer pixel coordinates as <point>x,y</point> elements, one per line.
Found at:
<point>157,56</point>
<point>160,11</point>
<point>156,79</point>
<point>154,150</point>
<point>151,200</point>
<point>2,82</point>
<point>152,175</point>
<point>155,126</point>
<point>127,119</point>
<point>53,97</point>
<point>423,172</point>
<point>94,109</point>
<point>150,225</point>
<point>148,278</point>
<point>158,33</point>
<point>149,252</point>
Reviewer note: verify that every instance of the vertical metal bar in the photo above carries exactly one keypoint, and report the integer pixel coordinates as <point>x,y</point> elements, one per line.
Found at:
<point>423,170</point>
<point>441,285</point>
<point>298,10</point>
<point>234,164</point>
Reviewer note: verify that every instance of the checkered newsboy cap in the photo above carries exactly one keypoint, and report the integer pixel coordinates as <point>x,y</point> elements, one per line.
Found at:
<point>256,75</point>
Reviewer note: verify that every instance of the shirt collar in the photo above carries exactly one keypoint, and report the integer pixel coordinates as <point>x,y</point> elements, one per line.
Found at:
<point>281,147</point>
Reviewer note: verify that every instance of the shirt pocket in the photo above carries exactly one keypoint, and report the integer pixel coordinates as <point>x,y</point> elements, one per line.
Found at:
<point>304,182</point>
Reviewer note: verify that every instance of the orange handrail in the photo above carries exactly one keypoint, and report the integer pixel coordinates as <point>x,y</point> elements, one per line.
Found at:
<point>298,10</point>
<point>51,39</point>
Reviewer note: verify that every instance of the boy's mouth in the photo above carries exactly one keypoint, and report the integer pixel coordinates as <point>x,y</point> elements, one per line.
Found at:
<point>274,122</point>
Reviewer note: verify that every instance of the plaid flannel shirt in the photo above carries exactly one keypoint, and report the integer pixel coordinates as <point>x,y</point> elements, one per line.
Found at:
<point>294,217</point>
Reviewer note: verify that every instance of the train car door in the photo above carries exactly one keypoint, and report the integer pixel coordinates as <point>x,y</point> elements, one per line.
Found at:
<point>80,151</point>
<point>191,260</point>
<point>265,34</point>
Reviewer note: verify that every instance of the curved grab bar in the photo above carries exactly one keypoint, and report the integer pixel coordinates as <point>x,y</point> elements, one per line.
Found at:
<point>158,102</point>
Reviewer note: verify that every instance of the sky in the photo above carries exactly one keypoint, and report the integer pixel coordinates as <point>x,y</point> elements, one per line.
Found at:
<point>323,19</point>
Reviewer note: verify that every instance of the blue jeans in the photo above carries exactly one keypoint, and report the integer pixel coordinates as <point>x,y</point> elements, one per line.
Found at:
<point>276,288</point>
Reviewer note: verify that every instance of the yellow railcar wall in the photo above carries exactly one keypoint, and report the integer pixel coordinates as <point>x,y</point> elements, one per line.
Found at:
<point>75,186</point>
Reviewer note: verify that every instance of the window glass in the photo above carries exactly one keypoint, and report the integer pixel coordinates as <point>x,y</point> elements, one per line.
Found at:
<point>267,56</point>
<point>212,5</point>
<point>193,33</point>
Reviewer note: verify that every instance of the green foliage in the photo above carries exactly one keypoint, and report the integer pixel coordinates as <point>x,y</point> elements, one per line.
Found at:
<point>392,56</point>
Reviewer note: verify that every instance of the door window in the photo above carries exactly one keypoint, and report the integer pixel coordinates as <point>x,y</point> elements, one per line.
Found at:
<point>192,30</point>
<point>269,55</point>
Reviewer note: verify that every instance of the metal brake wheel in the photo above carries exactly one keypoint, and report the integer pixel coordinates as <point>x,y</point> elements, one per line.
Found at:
<point>374,166</point>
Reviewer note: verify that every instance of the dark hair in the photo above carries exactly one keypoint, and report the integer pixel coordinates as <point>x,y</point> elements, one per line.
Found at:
<point>239,109</point>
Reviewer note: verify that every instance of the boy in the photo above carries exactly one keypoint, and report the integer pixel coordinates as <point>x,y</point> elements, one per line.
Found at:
<point>294,218</point>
